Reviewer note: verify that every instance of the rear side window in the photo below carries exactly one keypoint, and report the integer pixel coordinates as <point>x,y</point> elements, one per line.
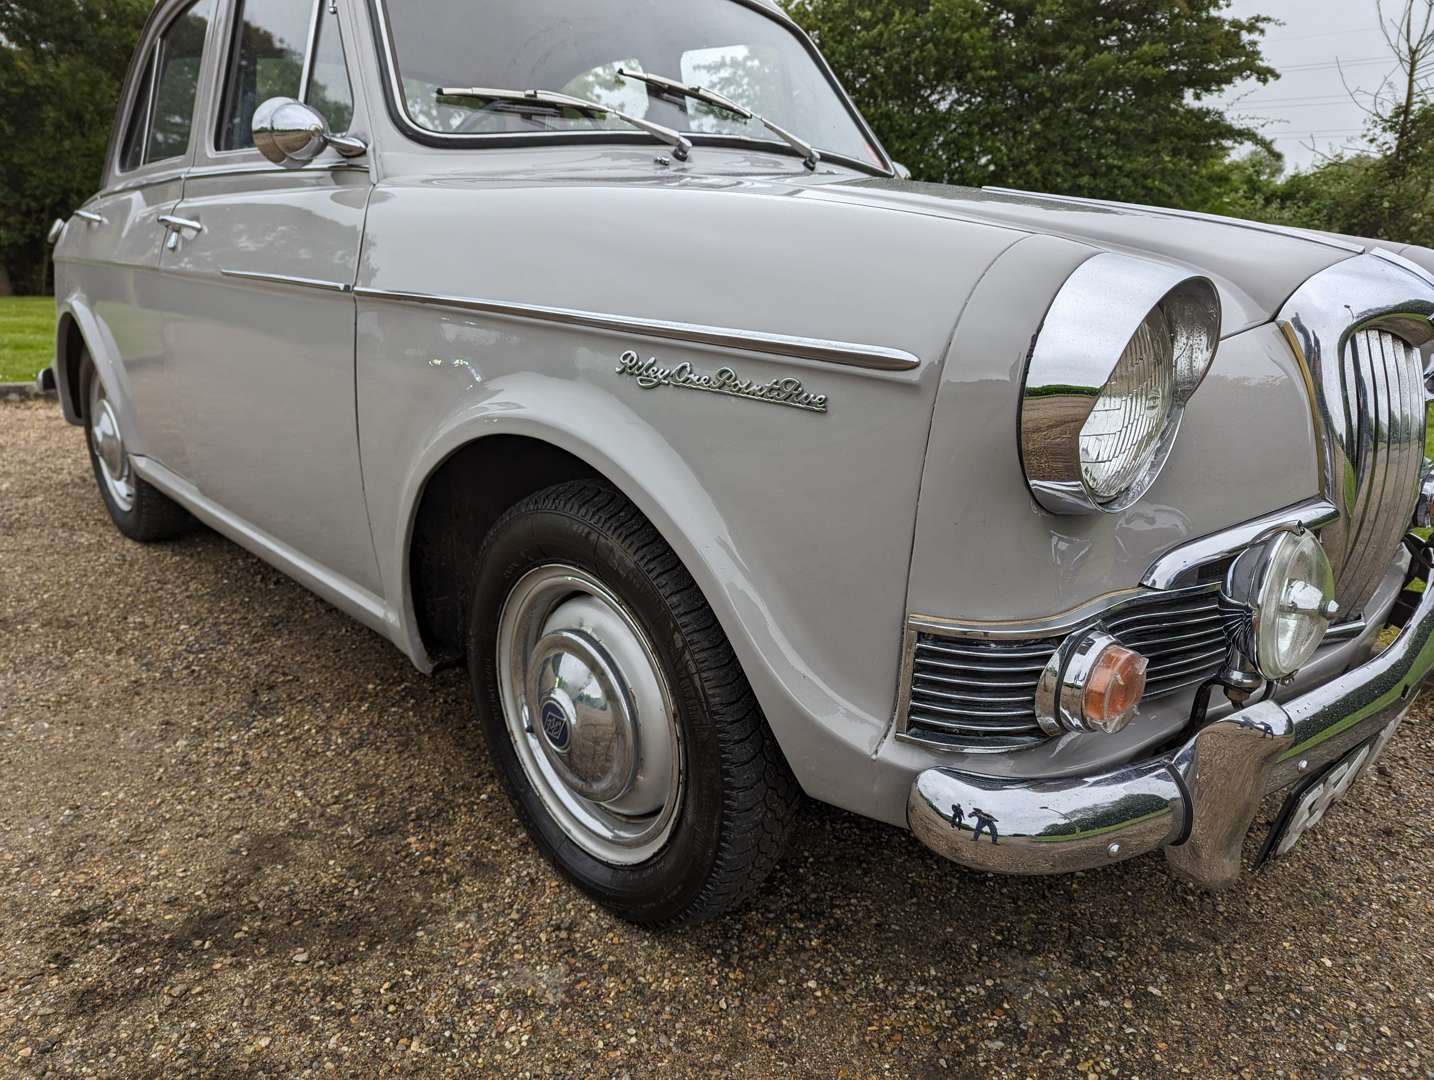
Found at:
<point>132,155</point>
<point>163,114</point>
<point>272,39</point>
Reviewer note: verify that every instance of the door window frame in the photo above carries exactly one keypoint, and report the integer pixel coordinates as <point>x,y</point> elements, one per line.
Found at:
<point>144,72</point>
<point>231,31</point>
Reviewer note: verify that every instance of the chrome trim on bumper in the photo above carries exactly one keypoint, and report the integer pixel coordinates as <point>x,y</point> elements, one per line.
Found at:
<point>1196,803</point>
<point>1181,562</point>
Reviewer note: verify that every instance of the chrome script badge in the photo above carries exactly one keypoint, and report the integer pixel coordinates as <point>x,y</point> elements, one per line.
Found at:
<point>650,375</point>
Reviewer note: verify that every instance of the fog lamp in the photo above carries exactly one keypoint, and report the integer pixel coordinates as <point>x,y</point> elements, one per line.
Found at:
<point>1093,683</point>
<point>1282,590</point>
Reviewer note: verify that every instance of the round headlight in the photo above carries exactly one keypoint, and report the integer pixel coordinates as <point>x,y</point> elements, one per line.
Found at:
<point>1124,346</point>
<point>1283,591</point>
<point>1122,432</point>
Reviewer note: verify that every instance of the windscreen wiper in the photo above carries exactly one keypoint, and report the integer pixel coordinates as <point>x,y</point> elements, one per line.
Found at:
<point>810,155</point>
<point>681,145</point>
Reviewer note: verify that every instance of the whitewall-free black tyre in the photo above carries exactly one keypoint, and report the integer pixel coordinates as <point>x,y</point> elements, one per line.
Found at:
<point>622,725</point>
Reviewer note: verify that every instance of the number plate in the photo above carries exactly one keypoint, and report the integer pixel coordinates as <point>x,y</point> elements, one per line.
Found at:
<point>1310,802</point>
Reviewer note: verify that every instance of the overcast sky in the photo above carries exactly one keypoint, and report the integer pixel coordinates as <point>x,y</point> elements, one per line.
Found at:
<point>1308,104</point>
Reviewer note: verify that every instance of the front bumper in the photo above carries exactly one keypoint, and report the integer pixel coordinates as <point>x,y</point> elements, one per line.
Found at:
<point>1196,803</point>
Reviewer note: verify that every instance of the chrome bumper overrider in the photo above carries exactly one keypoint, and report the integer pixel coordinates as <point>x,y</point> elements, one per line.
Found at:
<point>1196,803</point>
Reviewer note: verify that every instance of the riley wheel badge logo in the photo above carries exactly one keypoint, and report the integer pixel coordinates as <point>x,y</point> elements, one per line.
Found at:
<point>555,725</point>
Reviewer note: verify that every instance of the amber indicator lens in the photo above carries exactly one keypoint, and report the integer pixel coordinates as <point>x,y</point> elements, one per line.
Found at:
<point>1114,688</point>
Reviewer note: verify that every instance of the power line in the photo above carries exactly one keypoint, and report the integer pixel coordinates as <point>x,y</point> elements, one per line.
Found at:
<point>1339,63</point>
<point>1325,33</point>
<point>1293,100</point>
<point>1305,105</point>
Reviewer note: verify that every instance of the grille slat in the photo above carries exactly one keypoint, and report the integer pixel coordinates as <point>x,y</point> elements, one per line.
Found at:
<point>1011,670</point>
<point>978,694</point>
<point>995,654</point>
<point>960,727</point>
<point>945,692</point>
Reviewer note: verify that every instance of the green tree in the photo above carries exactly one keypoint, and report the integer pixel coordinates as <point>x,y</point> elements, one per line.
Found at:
<point>1082,97</point>
<point>1384,193</point>
<point>61,66</point>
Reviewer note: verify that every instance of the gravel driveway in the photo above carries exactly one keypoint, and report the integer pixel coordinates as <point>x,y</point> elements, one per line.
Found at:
<point>239,835</point>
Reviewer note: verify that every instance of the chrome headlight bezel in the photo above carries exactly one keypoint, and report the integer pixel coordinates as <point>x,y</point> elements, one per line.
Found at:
<point>1091,324</point>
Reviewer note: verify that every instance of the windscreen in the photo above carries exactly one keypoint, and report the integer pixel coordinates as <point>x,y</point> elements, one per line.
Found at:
<point>577,47</point>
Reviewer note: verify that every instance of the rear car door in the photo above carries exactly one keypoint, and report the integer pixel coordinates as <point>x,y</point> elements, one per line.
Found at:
<point>110,253</point>
<point>263,326</point>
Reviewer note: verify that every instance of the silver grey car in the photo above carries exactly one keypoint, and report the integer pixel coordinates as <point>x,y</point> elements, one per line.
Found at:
<point>598,345</point>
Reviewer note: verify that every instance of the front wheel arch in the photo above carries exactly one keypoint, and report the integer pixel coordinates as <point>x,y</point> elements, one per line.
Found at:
<point>460,502</point>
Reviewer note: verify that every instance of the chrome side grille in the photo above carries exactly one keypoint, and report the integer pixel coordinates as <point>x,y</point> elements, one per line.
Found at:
<point>1355,328</point>
<point>1383,444</point>
<point>967,693</point>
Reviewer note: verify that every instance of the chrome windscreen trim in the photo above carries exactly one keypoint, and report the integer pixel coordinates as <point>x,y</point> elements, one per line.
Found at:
<point>286,279</point>
<point>851,354</point>
<point>1179,562</point>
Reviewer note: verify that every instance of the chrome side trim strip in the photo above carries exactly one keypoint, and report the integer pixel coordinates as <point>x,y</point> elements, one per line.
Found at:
<point>1194,215</point>
<point>875,357</point>
<point>1165,571</point>
<point>139,183</point>
<point>253,166</point>
<point>286,279</point>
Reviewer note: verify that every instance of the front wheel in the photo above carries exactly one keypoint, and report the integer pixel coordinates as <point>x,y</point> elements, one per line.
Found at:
<point>623,728</point>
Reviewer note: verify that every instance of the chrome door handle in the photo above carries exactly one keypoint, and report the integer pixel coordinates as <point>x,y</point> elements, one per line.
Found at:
<point>176,227</point>
<point>90,216</point>
<point>169,221</point>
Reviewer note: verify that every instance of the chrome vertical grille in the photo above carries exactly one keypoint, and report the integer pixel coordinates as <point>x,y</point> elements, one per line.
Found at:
<point>1356,328</point>
<point>1384,406</point>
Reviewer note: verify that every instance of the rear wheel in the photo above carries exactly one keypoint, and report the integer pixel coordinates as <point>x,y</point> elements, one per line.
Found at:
<point>139,509</point>
<point>623,727</point>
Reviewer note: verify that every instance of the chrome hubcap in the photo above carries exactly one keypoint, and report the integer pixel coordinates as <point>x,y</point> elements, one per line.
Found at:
<point>109,448</point>
<point>590,713</point>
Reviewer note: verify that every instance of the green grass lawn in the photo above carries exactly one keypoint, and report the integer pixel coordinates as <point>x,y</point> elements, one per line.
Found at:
<point>27,336</point>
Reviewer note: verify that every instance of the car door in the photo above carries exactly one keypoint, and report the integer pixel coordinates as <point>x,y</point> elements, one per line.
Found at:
<point>111,248</point>
<point>264,261</point>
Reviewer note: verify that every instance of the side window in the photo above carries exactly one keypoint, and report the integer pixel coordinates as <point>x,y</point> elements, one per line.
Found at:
<point>329,89</point>
<point>272,38</point>
<point>132,150</point>
<point>176,83</point>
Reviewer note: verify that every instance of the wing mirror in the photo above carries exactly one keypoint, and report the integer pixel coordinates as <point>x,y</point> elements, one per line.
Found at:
<point>290,133</point>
